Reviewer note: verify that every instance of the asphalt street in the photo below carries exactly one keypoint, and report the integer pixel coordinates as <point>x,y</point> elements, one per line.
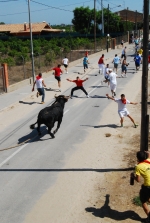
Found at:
<point>27,171</point>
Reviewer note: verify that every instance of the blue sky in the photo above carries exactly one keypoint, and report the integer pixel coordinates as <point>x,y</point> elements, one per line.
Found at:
<point>16,11</point>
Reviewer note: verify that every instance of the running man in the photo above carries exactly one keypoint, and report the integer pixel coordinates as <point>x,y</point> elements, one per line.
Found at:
<point>116,61</point>
<point>85,63</point>
<point>79,84</point>
<point>57,73</point>
<point>124,53</point>
<point>137,60</point>
<point>113,82</point>
<point>106,75</point>
<point>65,62</point>
<point>122,110</point>
<point>124,68</point>
<point>101,64</point>
<point>40,87</point>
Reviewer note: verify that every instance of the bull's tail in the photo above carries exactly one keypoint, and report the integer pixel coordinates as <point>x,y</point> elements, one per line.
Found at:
<point>33,126</point>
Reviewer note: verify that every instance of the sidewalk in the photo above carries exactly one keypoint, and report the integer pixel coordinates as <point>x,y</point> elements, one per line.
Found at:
<point>9,99</point>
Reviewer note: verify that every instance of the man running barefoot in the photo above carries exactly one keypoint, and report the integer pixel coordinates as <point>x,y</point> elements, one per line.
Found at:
<point>122,110</point>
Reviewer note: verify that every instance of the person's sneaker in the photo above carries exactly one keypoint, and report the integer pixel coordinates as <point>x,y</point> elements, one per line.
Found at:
<point>135,125</point>
<point>122,75</point>
<point>87,96</point>
<point>42,102</point>
<point>66,72</point>
<point>59,90</point>
<point>37,94</point>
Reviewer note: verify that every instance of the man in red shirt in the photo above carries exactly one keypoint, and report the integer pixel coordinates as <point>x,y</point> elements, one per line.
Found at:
<point>79,84</point>
<point>57,73</point>
<point>101,64</point>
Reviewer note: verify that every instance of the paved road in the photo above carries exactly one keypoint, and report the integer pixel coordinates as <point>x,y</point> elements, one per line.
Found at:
<point>27,171</point>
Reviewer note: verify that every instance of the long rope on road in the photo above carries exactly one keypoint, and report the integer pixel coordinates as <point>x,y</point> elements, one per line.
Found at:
<point>17,145</point>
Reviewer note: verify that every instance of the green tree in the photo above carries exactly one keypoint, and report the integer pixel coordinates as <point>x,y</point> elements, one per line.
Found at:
<point>82,19</point>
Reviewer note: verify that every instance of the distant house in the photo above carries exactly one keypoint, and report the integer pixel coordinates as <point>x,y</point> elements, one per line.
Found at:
<point>42,28</point>
<point>131,16</point>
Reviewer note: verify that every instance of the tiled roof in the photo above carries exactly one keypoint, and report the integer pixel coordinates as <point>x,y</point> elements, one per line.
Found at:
<point>24,28</point>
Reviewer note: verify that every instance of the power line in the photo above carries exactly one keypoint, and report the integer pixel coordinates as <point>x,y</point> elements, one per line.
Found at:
<point>40,9</point>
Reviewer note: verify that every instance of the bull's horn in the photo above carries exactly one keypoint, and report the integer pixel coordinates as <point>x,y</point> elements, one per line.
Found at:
<point>55,96</point>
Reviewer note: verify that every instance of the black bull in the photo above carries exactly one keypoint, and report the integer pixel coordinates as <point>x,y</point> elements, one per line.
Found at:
<point>51,114</point>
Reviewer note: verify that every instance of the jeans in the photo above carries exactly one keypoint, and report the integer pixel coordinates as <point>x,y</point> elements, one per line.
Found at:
<point>42,92</point>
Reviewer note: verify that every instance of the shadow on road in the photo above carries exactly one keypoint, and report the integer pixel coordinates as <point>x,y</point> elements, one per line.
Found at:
<point>28,103</point>
<point>103,126</point>
<point>106,211</point>
<point>69,170</point>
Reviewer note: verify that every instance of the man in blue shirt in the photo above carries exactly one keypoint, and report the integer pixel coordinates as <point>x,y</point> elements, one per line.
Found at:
<point>85,63</point>
<point>116,61</point>
<point>137,60</point>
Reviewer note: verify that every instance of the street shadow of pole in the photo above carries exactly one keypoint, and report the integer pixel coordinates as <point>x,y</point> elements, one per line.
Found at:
<point>106,211</point>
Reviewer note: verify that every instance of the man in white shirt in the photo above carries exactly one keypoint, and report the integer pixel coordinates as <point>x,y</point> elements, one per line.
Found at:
<point>40,87</point>
<point>65,62</point>
<point>106,75</point>
<point>112,81</point>
<point>122,110</point>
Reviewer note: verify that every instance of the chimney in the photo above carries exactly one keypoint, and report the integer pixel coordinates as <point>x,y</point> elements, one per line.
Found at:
<point>25,26</point>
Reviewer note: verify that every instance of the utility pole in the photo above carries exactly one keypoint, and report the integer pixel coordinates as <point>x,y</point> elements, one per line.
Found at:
<point>144,97</point>
<point>136,22</point>
<point>126,17</point>
<point>108,28</point>
<point>102,17</point>
<point>108,20</point>
<point>95,26</point>
<point>31,42</point>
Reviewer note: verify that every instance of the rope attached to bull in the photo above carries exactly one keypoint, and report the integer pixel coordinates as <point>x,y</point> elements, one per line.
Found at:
<point>15,145</point>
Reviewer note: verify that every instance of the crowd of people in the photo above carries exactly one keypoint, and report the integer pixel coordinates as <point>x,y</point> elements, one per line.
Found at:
<point>110,78</point>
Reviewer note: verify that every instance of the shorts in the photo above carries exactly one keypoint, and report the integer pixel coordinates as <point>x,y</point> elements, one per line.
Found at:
<point>124,68</point>
<point>65,65</point>
<point>123,56</point>
<point>85,66</point>
<point>123,113</point>
<point>107,78</point>
<point>58,78</point>
<point>144,194</point>
<point>137,64</point>
<point>116,65</point>
<point>113,87</point>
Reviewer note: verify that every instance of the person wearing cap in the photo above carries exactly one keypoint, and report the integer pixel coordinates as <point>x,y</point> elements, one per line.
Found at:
<point>122,110</point>
<point>40,87</point>
<point>101,64</point>
<point>79,86</point>
<point>112,81</point>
